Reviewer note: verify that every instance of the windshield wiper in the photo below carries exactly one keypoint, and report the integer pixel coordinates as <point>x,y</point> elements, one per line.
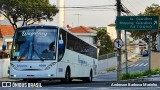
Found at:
<point>24,52</point>
<point>42,59</point>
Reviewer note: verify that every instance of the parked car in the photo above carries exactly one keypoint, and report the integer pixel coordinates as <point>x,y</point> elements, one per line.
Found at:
<point>4,54</point>
<point>145,52</point>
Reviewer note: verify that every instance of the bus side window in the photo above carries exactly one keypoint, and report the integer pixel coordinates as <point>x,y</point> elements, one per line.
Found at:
<point>62,43</point>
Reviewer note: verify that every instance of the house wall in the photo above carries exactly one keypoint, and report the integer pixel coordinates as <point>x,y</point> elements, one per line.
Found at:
<point>1,43</point>
<point>112,32</point>
<point>89,39</point>
<point>155,60</point>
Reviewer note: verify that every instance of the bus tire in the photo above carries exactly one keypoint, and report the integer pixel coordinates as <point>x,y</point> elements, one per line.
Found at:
<point>90,78</point>
<point>67,78</point>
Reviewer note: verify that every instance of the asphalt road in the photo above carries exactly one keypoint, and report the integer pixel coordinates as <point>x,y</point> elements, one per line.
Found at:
<point>141,65</point>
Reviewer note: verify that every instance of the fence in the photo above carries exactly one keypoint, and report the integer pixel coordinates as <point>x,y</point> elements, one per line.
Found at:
<point>4,64</point>
<point>106,56</point>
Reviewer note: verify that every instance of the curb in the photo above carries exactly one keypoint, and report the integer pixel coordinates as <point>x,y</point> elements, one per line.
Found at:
<point>145,78</point>
<point>7,79</point>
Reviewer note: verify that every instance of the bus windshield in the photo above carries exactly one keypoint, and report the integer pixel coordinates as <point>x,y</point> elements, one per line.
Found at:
<point>34,44</point>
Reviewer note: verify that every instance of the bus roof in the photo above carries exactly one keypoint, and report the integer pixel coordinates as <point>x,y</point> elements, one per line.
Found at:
<point>37,26</point>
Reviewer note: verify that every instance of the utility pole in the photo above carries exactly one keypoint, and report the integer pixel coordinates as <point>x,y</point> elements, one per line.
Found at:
<point>149,48</point>
<point>126,52</point>
<point>119,67</point>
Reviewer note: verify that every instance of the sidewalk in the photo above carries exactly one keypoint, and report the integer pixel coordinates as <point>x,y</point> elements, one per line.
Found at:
<point>153,79</point>
<point>7,79</point>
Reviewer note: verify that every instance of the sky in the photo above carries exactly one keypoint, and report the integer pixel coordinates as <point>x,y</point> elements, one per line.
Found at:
<point>100,17</point>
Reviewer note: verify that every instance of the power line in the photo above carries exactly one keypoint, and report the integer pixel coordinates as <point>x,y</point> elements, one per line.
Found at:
<point>90,9</point>
<point>127,11</point>
<point>141,3</point>
<point>124,10</point>
<point>100,6</point>
<point>132,6</point>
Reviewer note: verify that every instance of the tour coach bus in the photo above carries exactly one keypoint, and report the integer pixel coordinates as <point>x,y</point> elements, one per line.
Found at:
<point>51,52</point>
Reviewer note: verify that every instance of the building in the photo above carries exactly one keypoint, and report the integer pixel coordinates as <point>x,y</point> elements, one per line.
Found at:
<point>112,31</point>
<point>6,34</point>
<point>87,34</point>
<point>61,14</point>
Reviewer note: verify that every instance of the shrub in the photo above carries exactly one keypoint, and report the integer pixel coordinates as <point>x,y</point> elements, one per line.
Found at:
<point>111,69</point>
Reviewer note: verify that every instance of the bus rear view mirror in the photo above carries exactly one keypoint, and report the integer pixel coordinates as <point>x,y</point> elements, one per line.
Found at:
<point>61,44</point>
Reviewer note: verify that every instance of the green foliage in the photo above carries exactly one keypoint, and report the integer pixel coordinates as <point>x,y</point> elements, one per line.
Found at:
<point>154,9</point>
<point>126,76</point>
<point>107,45</point>
<point>111,25</point>
<point>136,34</point>
<point>27,12</point>
<point>131,76</point>
<point>111,69</point>
<point>140,74</point>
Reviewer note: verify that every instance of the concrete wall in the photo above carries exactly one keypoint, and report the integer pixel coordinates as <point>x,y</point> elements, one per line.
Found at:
<point>1,69</point>
<point>4,64</point>
<point>155,60</point>
<point>107,63</point>
<point>112,62</point>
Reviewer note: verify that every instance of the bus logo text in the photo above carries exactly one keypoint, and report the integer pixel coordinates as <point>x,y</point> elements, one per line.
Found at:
<point>27,33</point>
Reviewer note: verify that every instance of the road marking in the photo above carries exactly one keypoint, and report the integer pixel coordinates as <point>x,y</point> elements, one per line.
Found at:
<point>141,64</point>
<point>131,65</point>
<point>136,65</point>
<point>145,64</point>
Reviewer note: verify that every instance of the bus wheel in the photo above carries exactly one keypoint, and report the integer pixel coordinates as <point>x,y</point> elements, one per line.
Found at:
<point>90,78</point>
<point>67,78</point>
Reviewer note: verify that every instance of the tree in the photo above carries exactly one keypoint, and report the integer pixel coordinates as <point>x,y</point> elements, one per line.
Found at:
<point>107,45</point>
<point>154,9</point>
<point>27,12</point>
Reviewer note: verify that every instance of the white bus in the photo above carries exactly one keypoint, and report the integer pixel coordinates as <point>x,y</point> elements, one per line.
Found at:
<point>51,52</point>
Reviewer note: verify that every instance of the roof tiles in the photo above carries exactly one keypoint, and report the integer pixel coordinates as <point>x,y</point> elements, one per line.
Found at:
<point>6,30</point>
<point>82,29</point>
